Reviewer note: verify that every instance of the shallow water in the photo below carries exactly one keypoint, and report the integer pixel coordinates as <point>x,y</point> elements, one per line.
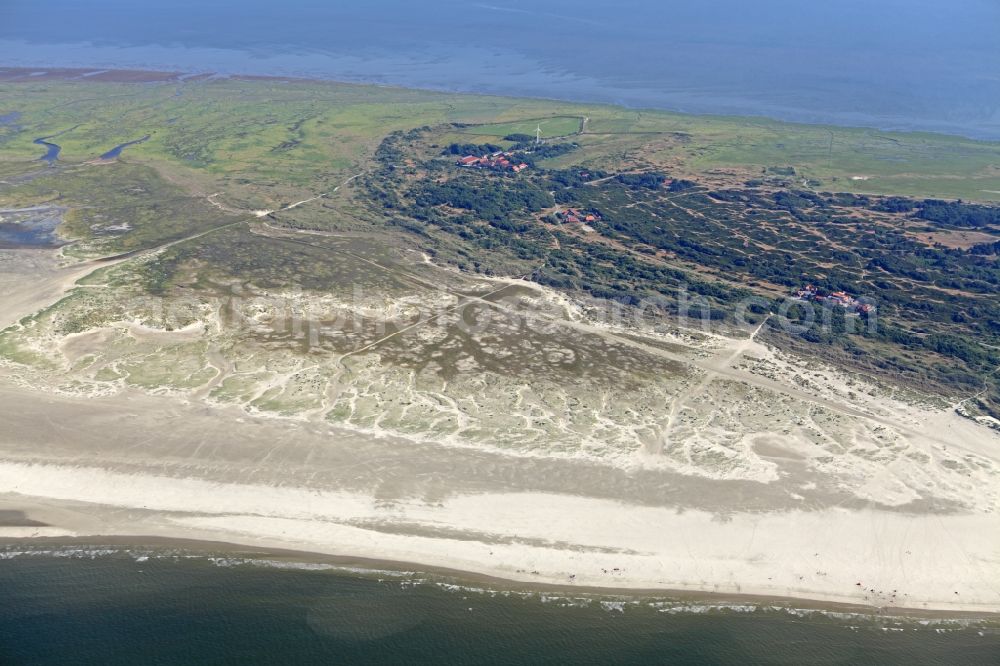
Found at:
<point>51,149</point>
<point>909,64</point>
<point>111,606</point>
<point>117,150</point>
<point>30,228</point>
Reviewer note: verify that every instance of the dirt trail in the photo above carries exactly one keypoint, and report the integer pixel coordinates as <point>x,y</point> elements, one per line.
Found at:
<point>719,363</point>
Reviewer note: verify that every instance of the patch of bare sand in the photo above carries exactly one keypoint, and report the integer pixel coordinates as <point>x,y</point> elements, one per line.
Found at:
<point>33,279</point>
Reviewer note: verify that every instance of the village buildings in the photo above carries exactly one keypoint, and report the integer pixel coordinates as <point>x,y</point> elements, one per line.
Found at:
<point>839,298</point>
<point>572,215</point>
<point>500,161</point>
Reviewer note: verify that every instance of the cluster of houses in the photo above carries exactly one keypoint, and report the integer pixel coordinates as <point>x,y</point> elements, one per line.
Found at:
<point>573,215</point>
<point>841,298</point>
<point>500,161</point>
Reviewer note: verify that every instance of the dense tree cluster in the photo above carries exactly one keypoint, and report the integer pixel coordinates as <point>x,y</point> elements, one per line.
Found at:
<point>959,214</point>
<point>477,149</point>
<point>500,201</point>
<point>986,248</point>
<point>651,180</point>
<point>894,205</point>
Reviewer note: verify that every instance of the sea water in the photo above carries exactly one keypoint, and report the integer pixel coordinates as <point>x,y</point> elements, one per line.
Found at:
<point>109,605</point>
<point>895,64</point>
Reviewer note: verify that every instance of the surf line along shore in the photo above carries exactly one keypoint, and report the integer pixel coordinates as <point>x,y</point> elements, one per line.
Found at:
<point>144,548</point>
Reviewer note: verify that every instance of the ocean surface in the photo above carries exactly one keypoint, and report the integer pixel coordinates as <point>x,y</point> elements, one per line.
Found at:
<point>112,606</point>
<point>895,64</point>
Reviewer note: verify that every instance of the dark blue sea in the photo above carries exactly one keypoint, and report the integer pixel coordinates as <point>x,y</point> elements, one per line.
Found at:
<point>896,64</point>
<point>97,605</point>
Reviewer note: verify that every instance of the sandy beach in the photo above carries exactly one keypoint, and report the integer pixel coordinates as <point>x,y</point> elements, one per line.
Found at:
<point>227,554</point>
<point>260,483</point>
<point>918,562</point>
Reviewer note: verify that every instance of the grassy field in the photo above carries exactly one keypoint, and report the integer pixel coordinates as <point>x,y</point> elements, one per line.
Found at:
<point>556,126</point>
<point>266,141</point>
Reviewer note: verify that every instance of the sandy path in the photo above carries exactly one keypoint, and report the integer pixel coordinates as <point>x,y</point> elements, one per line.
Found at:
<point>720,362</point>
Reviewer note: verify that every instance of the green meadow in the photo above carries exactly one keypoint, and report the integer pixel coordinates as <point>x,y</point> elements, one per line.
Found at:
<point>265,141</point>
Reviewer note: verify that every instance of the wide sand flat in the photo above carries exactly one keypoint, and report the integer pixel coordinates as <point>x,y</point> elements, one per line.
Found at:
<point>142,465</point>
